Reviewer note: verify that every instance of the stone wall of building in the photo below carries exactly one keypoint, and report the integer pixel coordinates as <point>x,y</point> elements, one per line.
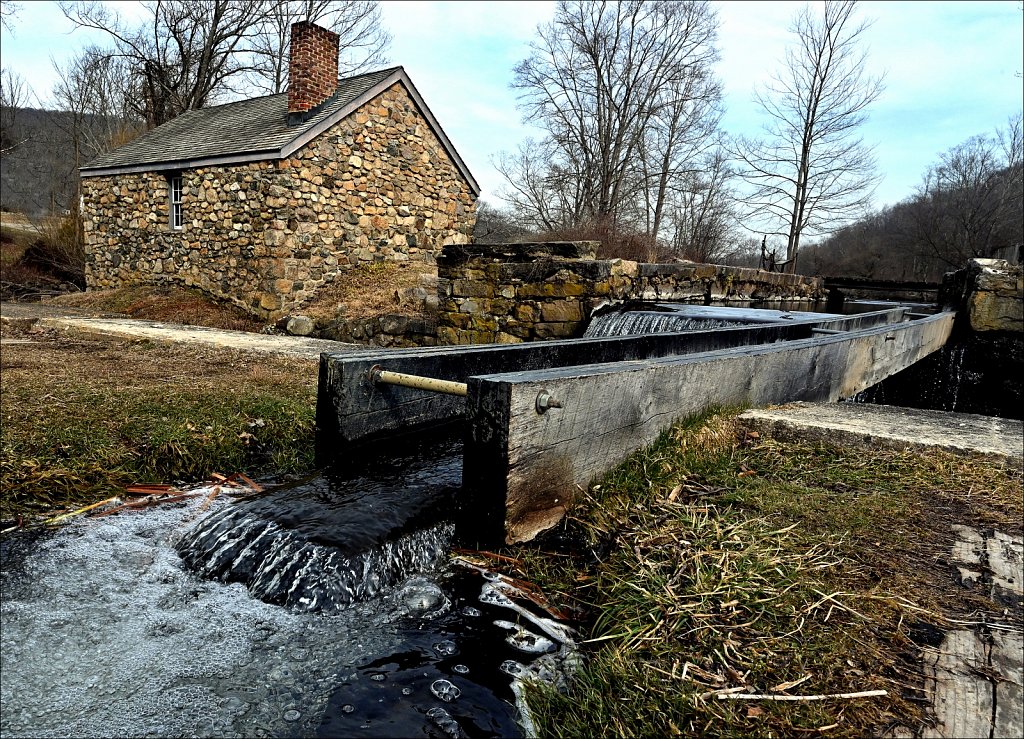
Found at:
<point>267,235</point>
<point>523,292</point>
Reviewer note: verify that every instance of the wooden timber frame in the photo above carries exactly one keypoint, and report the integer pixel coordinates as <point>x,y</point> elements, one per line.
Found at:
<point>525,461</point>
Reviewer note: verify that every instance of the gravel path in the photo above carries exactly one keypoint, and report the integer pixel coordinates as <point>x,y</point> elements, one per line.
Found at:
<point>25,315</point>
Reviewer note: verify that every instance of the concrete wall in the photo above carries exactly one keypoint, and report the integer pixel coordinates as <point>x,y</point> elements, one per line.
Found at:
<point>509,293</point>
<point>266,236</point>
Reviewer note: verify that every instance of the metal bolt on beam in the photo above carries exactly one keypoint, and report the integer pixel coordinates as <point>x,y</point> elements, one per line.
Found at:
<point>380,376</point>
<point>545,401</point>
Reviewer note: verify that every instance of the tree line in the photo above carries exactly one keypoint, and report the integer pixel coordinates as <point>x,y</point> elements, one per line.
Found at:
<point>969,204</point>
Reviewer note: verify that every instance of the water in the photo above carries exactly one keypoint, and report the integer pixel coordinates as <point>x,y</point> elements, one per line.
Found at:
<point>107,631</point>
<point>973,373</point>
<point>332,540</point>
<point>650,318</point>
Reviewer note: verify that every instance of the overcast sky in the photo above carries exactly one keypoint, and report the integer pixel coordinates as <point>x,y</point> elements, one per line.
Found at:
<point>953,70</point>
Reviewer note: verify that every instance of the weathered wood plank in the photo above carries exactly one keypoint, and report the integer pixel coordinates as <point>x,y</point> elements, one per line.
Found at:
<point>610,410</point>
<point>973,680</point>
<point>961,696</point>
<point>1007,657</point>
<point>351,409</point>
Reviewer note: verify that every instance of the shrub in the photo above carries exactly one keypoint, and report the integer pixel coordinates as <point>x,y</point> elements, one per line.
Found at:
<point>59,250</point>
<point>617,242</point>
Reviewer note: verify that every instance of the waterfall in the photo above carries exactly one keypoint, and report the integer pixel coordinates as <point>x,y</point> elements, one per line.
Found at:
<point>281,566</point>
<point>626,323</point>
<point>324,543</point>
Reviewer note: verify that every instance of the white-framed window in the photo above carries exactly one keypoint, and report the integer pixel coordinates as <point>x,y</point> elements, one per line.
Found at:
<point>177,216</point>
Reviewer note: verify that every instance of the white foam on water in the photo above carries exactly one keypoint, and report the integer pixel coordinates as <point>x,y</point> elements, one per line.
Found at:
<point>103,632</point>
<point>632,323</point>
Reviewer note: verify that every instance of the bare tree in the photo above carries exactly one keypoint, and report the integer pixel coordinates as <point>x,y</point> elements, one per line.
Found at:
<point>13,96</point>
<point>94,87</point>
<point>8,12</point>
<point>970,202</point>
<point>600,78</point>
<point>94,113</point>
<point>701,211</point>
<point>686,120</point>
<point>186,53</point>
<point>812,172</point>
<point>543,194</point>
<point>364,41</point>
<point>496,225</point>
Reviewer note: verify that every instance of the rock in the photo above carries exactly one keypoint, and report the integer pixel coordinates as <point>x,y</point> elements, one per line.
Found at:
<point>300,326</point>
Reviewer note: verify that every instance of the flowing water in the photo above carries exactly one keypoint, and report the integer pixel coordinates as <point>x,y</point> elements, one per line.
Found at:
<point>628,323</point>
<point>323,608</point>
<point>649,318</point>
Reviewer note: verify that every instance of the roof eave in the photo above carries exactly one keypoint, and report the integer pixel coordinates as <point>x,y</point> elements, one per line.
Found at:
<point>175,164</point>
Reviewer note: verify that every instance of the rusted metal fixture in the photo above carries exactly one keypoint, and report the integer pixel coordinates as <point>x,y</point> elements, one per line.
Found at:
<point>545,400</point>
<point>380,376</point>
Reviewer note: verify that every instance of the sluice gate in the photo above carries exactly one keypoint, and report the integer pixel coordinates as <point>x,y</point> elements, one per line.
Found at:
<point>543,419</point>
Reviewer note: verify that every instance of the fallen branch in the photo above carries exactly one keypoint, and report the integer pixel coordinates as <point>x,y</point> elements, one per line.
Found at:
<point>830,696</point>
<point>78,512</point>
<point>145,503</point>
<point>209,498</point>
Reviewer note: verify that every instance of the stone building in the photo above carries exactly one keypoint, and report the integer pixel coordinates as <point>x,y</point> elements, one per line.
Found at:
<point>262,202</point>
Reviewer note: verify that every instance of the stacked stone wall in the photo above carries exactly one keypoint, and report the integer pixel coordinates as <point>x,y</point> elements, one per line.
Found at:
<point>525,292</point>
<point>995,300</point>
<point>267,235</point>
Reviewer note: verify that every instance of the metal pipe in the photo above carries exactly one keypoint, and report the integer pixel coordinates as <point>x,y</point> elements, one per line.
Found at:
<point>826,331</point>
<point>382,376</point>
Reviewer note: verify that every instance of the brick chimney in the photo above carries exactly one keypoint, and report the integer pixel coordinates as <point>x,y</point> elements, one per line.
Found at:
<point>312,69</point>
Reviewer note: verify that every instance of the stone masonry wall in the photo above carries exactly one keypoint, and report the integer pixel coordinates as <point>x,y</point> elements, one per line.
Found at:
<point>995,299</point>
<point>522,292</point>
<point>266,236</point>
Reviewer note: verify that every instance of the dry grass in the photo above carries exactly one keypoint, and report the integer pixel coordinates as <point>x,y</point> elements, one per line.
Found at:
<point>164,303</point>
<point>20,280</point>
<point>81,418</point>
<point>358,293</point>
<point>720,563</point>
<point>367,291</point>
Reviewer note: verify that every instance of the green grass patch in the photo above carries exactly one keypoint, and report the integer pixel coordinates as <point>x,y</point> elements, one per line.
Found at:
<point>83,420</point>
<point>718,563</point>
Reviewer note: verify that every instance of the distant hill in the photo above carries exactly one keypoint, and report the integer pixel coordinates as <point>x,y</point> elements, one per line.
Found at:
<point>39,174</point>
<point>927,235</point>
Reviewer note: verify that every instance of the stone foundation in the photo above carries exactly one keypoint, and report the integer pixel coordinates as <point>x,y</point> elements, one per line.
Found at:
<point>980,368</point>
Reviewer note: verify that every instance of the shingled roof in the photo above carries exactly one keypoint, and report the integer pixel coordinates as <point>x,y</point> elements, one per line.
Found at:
<point>256,129</point>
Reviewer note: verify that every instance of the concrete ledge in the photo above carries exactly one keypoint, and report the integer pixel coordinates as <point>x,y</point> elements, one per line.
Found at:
<point>891,427</point>
<point>173,333</point>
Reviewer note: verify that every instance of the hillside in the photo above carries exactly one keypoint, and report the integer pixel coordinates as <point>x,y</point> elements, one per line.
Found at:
<point>38,172</point>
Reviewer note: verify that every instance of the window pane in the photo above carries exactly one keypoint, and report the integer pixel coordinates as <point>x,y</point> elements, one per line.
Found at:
<point>177,220</point>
